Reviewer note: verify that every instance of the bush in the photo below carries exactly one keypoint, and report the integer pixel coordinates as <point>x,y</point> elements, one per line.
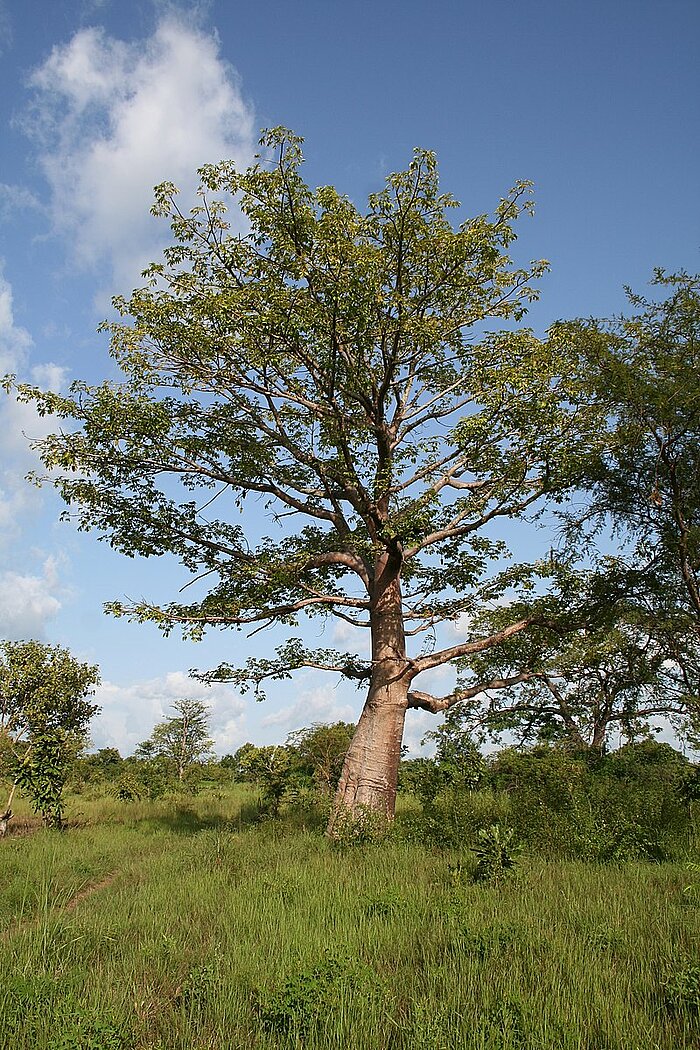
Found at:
<point>453,819</point>
<point>636,803</point>
<point>628,805</point>
<point>497,852</point>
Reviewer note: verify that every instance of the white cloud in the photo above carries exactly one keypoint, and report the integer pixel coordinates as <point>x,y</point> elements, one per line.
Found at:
<point>350,638</point>
<point>114,119</point>
<point>14,340</point>
<point>129,712</point>
<point>16,199</point>
<point>313,705</point>
<point>28,602</point>
<point>418,723</point>
<point>19,425</point>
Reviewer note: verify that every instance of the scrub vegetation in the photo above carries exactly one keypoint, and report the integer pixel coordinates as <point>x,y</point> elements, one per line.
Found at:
<point>529,905</point>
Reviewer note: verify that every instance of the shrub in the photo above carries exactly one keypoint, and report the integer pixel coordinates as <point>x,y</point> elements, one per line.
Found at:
<point>681,990</point>
<point>497,853</point>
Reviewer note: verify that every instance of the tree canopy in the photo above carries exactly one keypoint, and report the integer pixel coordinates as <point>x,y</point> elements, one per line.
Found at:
<point>342,371</point>
<point>625,580</point>
<point>643,369</point>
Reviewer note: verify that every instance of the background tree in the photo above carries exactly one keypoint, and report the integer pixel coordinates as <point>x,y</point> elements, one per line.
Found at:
<point>183,739</point>
<point>342,366</point>
<point>593,669</point>
<point>643,370</point>
<point>320,751</point>
<point>45,711</point>
<point>627,644</point>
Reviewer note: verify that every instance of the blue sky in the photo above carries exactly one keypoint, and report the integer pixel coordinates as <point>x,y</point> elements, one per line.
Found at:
<point>597,103</point>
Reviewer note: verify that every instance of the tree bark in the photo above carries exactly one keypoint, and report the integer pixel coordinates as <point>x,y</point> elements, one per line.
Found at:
<point>370,772</point>
<point>5,817</point>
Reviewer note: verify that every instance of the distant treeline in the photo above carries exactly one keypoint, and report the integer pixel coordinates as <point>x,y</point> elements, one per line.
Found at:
<point>640,801</point>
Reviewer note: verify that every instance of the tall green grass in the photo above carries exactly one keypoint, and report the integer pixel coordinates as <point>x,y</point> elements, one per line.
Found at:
<point>179,925</point>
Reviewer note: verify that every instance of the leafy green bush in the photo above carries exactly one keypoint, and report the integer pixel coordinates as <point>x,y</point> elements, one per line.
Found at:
<point>626,806</point>
<point>305,998</point>
<point>681,990</point>
<point>453,819</point>
<point>53,1014</point>
<point>497,853</point>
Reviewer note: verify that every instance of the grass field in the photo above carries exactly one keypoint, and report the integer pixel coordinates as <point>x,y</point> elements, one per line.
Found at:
<point>180,925</point>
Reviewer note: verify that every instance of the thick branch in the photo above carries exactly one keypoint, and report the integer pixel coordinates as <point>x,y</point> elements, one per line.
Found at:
<point>454,652</point>
<point>436,704</point>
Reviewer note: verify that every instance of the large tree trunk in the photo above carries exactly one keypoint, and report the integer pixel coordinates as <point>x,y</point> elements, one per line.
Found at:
<point>368,782</point>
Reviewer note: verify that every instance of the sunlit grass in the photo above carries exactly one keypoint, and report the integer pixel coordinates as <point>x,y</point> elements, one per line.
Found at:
<point>178,925</point>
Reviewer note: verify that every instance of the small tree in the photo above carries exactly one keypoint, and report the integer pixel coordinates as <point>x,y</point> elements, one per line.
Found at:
<point>320,750</point>
<point>341,365</point>
<point>45,712</point>
<point>182,739</point>
<point>270,768</point>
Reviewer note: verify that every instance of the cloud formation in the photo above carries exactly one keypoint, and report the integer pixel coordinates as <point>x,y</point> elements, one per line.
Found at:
<point>112,120</point>
<point>28,602</point>
<point>319,705</point>
<point>19,423</point>
<point>130,712</point>
<point>14,340</point>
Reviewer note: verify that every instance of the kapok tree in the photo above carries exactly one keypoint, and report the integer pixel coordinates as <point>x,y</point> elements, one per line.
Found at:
<point>342,367</point>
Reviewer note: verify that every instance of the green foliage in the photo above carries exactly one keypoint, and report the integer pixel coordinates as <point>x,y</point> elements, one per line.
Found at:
<point>181,740</point>
<point>45,711</point>
<point>26,1001</point>
<point>197,987</point>
<point>129,786</point>
<point>153,778</point>
<point>457,763</point>
<point>497,852</point>
<point>587,671</point>
<point>305,770</point>
<point>319,752</point>
<point>343,364</point>
<point>305,998</point>
<point>636,803</point>
<point>97,768</point>
<point>388,903</point>
<point>224,944</point>
<point>642,369</point>
<point>681,990</point>
<point>270,768</point>
<point>42,772</point>
<point>627,805</point>
<point>43,687</point>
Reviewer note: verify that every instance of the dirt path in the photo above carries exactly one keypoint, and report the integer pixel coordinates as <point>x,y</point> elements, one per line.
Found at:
<point>88,890</point>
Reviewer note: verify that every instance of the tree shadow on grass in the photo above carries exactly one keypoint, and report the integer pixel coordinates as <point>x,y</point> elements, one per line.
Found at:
<point>185,820</point>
